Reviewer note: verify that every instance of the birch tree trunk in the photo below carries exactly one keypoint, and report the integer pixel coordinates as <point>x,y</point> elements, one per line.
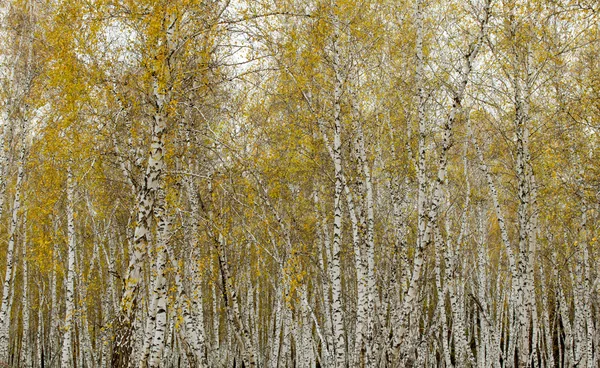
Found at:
<point>27,341</point>
<point>150,321</point>
<point>5,308</point>
<point>146,200</point>
<point>160,286</point>
<point>67,340</point>
<point>410,293</point>
<point>336,281</point>
<point>232,305</point>
<point>194,314</point>
<point>324,263</point>
<point>432,217</point>
<point>7,72</point>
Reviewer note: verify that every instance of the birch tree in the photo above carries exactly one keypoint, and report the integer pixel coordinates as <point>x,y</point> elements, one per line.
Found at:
<point>299,183</point>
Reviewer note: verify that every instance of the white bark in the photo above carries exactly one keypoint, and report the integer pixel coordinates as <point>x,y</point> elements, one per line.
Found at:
<point>160,285</point>
<point>27,340</point>
<point>67,340</point>
<point>145,205</point>
<point>368,238</point>
<point>441,291</point>
<point>5,308</point>
<point>547,329</point>
<point>336,281</point>
<point>232,305</point>
<point>426,231</point>
<point>150,321</point>
<point>324,242</point>
<point>194,318</point>
<point>275,340</point>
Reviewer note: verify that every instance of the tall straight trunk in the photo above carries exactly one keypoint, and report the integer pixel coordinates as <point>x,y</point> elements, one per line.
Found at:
<point>489,329</point>
<point>586,288</point>
<point>547,327</point>
<point>160,286</point>
<point>275,340</point>
<point>532,231</point>
<point>80,332</point>
<point>39,338</point>
<point>523,290</point>
<point>568,357</point>
<point>579,280</point>
<point>192,309</point>
<point>150,320</point>
<point>216,324</point>
<point>579,330</point>
<point>484,356</point>
<point>454,283</point>
<point>336,282</point>
<point>53,343</point>
<point>5,308</point>
<point>84,343</point>
<point>591,349</point>
<point>194,327</point>
<point>441,291</point>
<point>410,294</point>
<point>67,341</point>
<point>307,359</point>
<point>27,340</point>
<point>368,241</point>
<point>286,332</point>
<point>195,317</point>
<point>109,300</point>
<point>4,121</point>
<point>324,263</point>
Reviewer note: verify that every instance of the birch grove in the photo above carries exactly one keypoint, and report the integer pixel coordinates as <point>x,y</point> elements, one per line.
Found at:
<point>299,183</point>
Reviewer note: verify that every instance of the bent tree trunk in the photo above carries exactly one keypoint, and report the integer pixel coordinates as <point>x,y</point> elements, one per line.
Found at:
<point>123,342</point>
